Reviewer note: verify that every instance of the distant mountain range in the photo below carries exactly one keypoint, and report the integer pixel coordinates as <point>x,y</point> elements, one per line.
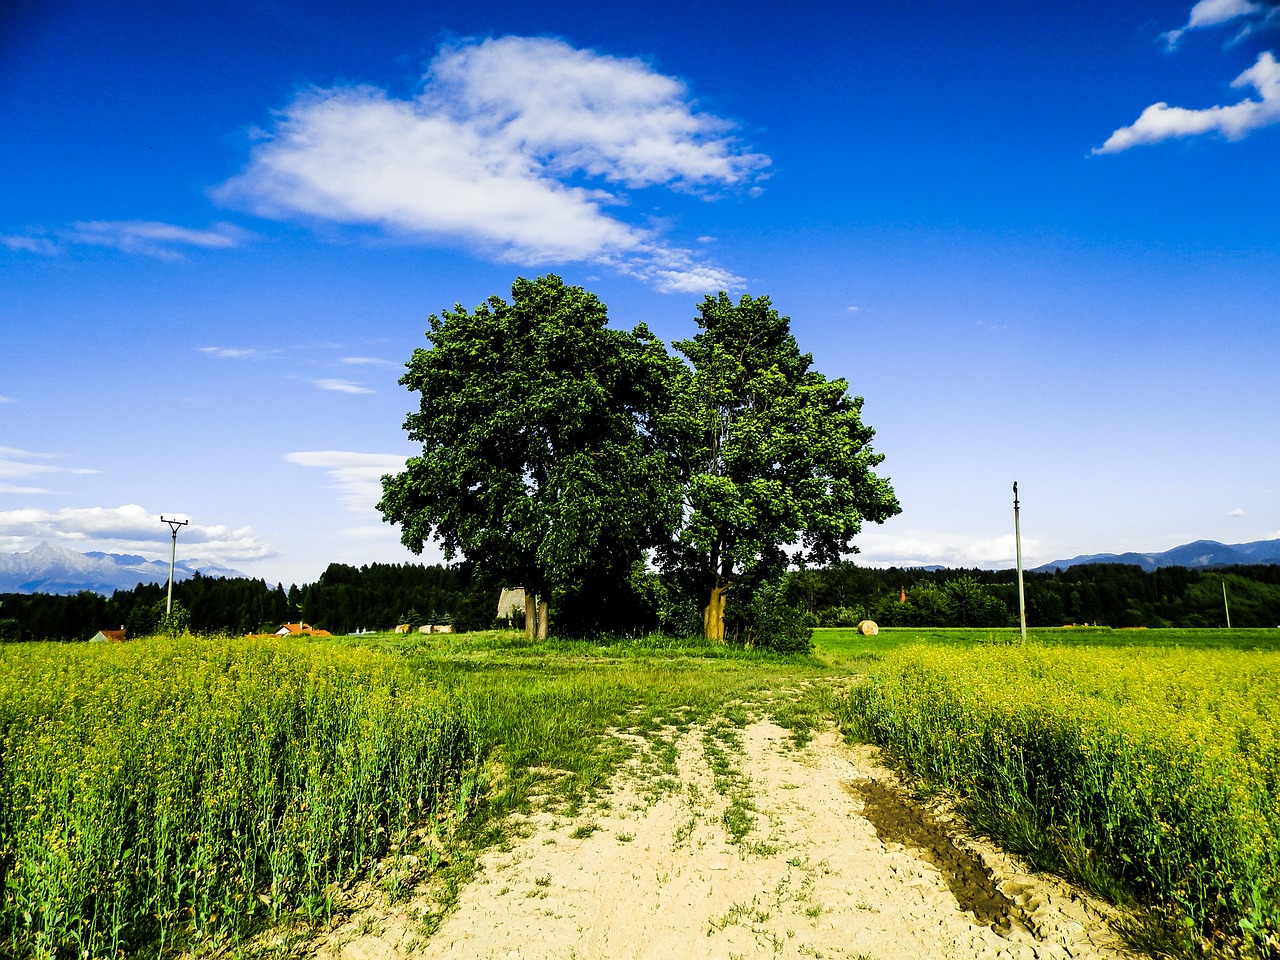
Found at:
<point>51,569</point>
<point>1202,553</point>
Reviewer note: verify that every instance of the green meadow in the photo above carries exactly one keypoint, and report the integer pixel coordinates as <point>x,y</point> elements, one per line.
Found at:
<point>197,793</point>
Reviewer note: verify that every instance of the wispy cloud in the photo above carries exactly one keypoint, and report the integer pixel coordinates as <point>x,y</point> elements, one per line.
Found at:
<point>152,238</point>
<point>19,468</point>
<point>1214,13</point>
<point>164,241</point>
<point>922,549</point>
<point>357,476</point>
<point>126,529</point>
<point>30,243</point>
<point>341,386</point>
<point>1249,17</point>
<point>239,353</point>
<point>368,362</point>
<point>515,146</point>
<point>1161,122</point>
<point>1237,512</point>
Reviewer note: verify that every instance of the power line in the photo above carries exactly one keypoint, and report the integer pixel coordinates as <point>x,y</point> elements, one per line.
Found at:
<point>1017,536</point>
<point>173,525</point>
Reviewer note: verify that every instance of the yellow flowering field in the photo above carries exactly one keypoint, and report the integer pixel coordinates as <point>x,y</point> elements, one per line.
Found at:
<point>1156,768</point>
<point>171,791</point>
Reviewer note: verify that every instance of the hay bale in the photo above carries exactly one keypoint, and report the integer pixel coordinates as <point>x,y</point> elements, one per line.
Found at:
<point>868,628</point>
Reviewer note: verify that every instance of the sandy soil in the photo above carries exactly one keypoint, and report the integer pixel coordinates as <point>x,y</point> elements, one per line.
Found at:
<point>837,863</point>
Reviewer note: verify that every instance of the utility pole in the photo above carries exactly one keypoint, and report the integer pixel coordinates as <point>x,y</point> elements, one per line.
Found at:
<point>1224,603</point>
<point>174,525</point>
<point>1017,536</point>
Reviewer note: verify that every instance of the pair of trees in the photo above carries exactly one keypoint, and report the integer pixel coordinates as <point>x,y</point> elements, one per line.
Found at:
<point>557,452</point>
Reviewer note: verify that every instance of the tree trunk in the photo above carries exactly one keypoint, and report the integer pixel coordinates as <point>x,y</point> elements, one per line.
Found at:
<point>530,615</point>
<point>713,615</point>
<point>542,619</point>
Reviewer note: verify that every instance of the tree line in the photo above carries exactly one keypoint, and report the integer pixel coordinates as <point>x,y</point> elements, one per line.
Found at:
<point>344,600</point>
<point>1108,594</point>
<point>378,596</point>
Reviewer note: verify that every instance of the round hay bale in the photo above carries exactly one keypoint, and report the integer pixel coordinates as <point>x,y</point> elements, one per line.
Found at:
<point>868,628</point>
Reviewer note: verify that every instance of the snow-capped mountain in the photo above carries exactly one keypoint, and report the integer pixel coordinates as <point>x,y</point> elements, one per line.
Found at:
<point>52,569</point>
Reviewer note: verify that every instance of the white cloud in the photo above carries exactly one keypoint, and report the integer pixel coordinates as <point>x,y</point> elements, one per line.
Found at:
<point>25,465</point>
<point>7,400</point>
<point>368,362</point>
<point>239,353</point>
<point>165,241</point>
<point>126,529</point>
<point>357,476</point>
<point>1212,13</point>
<point>1161,122</point>
<point>30,243</point>
<point>1237,512</point>
<point>676,271</point>
<point>341,386</point>
<point>921,549</point>
<point>152,238</point>
<point>508,147</point>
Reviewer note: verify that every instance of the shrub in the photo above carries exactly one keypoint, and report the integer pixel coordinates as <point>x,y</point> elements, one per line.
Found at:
<point>767,622</point>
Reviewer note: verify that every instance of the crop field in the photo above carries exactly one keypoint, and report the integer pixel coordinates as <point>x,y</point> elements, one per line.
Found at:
<point>177,794</point>
<point>164,792</point>
<point>1142,770</point>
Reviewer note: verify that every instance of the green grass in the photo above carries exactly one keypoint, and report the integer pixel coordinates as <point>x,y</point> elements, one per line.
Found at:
<point>846,644</point>
<point>543,709</point>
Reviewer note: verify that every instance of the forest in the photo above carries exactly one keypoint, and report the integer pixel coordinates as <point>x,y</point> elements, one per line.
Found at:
<point>346,599</point>
<point>1106,594</point>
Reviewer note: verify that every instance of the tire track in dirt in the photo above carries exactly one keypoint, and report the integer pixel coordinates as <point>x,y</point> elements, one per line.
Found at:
<point>837,862</point>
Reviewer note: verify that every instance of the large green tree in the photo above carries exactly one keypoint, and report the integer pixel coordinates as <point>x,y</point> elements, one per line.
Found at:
<point>540,462</point>
<point>775,462</point>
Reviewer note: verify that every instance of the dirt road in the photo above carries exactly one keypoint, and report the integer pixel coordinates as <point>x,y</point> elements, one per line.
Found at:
<point>747,847</point>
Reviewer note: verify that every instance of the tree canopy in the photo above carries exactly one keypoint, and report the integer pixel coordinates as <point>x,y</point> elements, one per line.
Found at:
<point>775,461</point>
<point>539,460</point>
<point>556,451</point>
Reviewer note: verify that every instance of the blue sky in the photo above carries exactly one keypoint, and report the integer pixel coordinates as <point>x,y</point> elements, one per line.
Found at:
<point>1040,239</point>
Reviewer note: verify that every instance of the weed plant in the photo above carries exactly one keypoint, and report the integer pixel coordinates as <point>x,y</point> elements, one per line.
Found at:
<point>1153,771</point>
<point>173,792</point>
